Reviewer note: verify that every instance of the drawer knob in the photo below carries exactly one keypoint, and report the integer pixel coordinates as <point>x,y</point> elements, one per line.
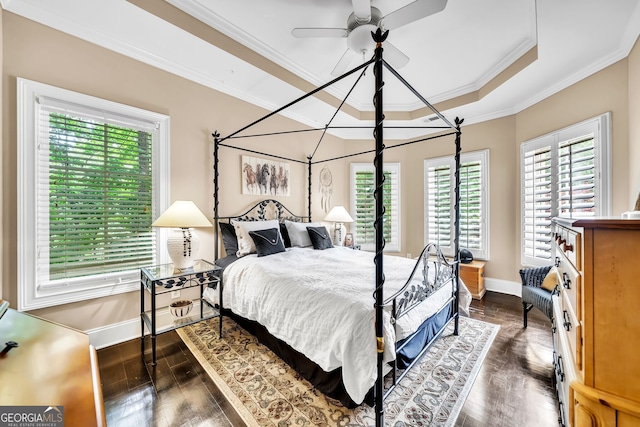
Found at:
<point>560,368</point>
<point>9,345</point>
<point>567,320</point>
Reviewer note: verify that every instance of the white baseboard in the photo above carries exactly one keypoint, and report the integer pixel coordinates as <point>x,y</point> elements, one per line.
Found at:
<point>116,333</point>
<point>503,286</point>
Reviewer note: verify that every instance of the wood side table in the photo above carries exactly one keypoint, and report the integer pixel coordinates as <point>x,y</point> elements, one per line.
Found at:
<point>472,275</point>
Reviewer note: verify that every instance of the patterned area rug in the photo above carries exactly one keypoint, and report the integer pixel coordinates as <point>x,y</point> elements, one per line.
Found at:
<point>267,392</point>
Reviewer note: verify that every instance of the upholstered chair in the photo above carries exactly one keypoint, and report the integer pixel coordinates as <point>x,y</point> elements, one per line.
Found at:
<point>534,294</point>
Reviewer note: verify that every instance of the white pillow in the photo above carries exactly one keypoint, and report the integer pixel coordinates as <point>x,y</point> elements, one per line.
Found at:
<point>298,233</point>
<point>245,242</point>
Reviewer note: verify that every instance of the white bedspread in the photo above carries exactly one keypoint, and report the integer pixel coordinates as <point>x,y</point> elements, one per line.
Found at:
<point>321,304</point>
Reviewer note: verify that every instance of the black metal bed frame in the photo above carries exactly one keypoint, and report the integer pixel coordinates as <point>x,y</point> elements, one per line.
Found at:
<point>409,299</point>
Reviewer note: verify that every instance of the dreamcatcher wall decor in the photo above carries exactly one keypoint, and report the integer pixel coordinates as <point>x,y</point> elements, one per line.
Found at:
<point>326,189</point>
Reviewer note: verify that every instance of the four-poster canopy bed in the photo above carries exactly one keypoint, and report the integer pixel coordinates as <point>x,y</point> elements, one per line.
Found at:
<point>350,364</point>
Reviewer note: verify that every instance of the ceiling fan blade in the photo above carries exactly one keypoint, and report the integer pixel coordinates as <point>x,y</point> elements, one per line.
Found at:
<point>394,56</point>
<point>412,12</point>
<point>361,11</point>
<point>343,64</point>
<point>303,33</point>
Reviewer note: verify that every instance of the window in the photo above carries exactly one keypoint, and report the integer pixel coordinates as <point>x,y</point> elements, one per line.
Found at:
<point>439,184</point>
<point>565,173</point>
<point>363,205</point>
<point>89,174</point>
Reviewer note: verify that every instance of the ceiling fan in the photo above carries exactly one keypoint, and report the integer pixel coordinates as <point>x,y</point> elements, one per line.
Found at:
<point>366,19</point>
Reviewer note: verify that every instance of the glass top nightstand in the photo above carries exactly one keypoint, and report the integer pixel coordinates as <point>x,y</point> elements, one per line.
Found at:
<point>158,280</point>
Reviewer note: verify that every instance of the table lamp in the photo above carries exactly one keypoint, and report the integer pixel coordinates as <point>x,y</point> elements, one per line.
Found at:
<point>182,243</point>
<point>339,215</point>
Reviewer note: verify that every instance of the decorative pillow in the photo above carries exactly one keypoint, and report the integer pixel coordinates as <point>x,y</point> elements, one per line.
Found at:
<point>285,235</point>
<point>268,242</point>
<point>550,280</point>
<point>298,233</point>
<point>245,242</point>
<point>229,238</point>
<point>320,237</point>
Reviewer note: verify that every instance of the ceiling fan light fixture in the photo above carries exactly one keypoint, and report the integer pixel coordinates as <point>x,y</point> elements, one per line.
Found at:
<point>360,40</point>
<point>365,20</point>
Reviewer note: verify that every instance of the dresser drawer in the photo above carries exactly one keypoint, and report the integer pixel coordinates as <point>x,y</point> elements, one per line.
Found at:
<point>569,242</point>
<point>570,283</point>
<point>563,363</point>
<point>569,325</point>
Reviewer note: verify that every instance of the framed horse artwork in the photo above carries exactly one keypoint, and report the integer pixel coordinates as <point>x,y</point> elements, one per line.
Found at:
<point>264,177</point>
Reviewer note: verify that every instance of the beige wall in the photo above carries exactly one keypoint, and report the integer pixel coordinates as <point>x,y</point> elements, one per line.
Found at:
<point>33,51</point>
<point>634,125</point>
<point>36,52</point>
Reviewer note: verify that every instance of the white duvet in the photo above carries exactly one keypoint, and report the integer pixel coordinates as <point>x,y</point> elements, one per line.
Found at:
<point>320,302</point>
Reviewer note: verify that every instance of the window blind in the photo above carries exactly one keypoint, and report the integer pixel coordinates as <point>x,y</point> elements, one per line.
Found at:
<point>471,205</point>
<point>564,173</point>
<point>364,206</point>
<point>439,202</point>
<point>95,187</point>
<point>439,198</point>
<point>537,209</point>
<point>576,178</point>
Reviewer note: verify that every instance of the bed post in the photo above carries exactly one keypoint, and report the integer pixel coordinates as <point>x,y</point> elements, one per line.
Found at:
<point>309,190</point>
<point>456,237</point>
<point>216,143</point>
<point>378,164</point>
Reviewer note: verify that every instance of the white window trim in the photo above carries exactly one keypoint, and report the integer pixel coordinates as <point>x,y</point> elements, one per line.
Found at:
<point>356,167</point>
<point>483,157</point>
<point>600,126</point>
<point>29,297</point>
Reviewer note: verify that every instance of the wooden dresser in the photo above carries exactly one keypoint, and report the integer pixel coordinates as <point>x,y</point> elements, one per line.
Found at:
<point>597,321</point>
<point>52,366</point>
<point>472,275</point>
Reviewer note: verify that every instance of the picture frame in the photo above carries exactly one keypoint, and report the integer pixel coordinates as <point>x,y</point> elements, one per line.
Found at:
<point>264,177</point>
<point>348,240</point>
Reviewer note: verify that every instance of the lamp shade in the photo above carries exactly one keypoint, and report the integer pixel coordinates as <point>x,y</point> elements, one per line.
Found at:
<point>183,244</point>
<point>182,214</point>
<point>338,214</point>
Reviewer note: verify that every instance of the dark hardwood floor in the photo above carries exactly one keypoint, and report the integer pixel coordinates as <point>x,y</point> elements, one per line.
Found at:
<point>513,388</point>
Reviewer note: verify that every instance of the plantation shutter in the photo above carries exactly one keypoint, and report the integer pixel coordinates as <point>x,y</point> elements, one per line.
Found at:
<point>440,187</point>
<point>439,218</point>
<point>576,178</point>
<point>537,190</point>
<point>364,205</point>
<point>95,184</point>
<point>365,208</point>
<point>471,205</point>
